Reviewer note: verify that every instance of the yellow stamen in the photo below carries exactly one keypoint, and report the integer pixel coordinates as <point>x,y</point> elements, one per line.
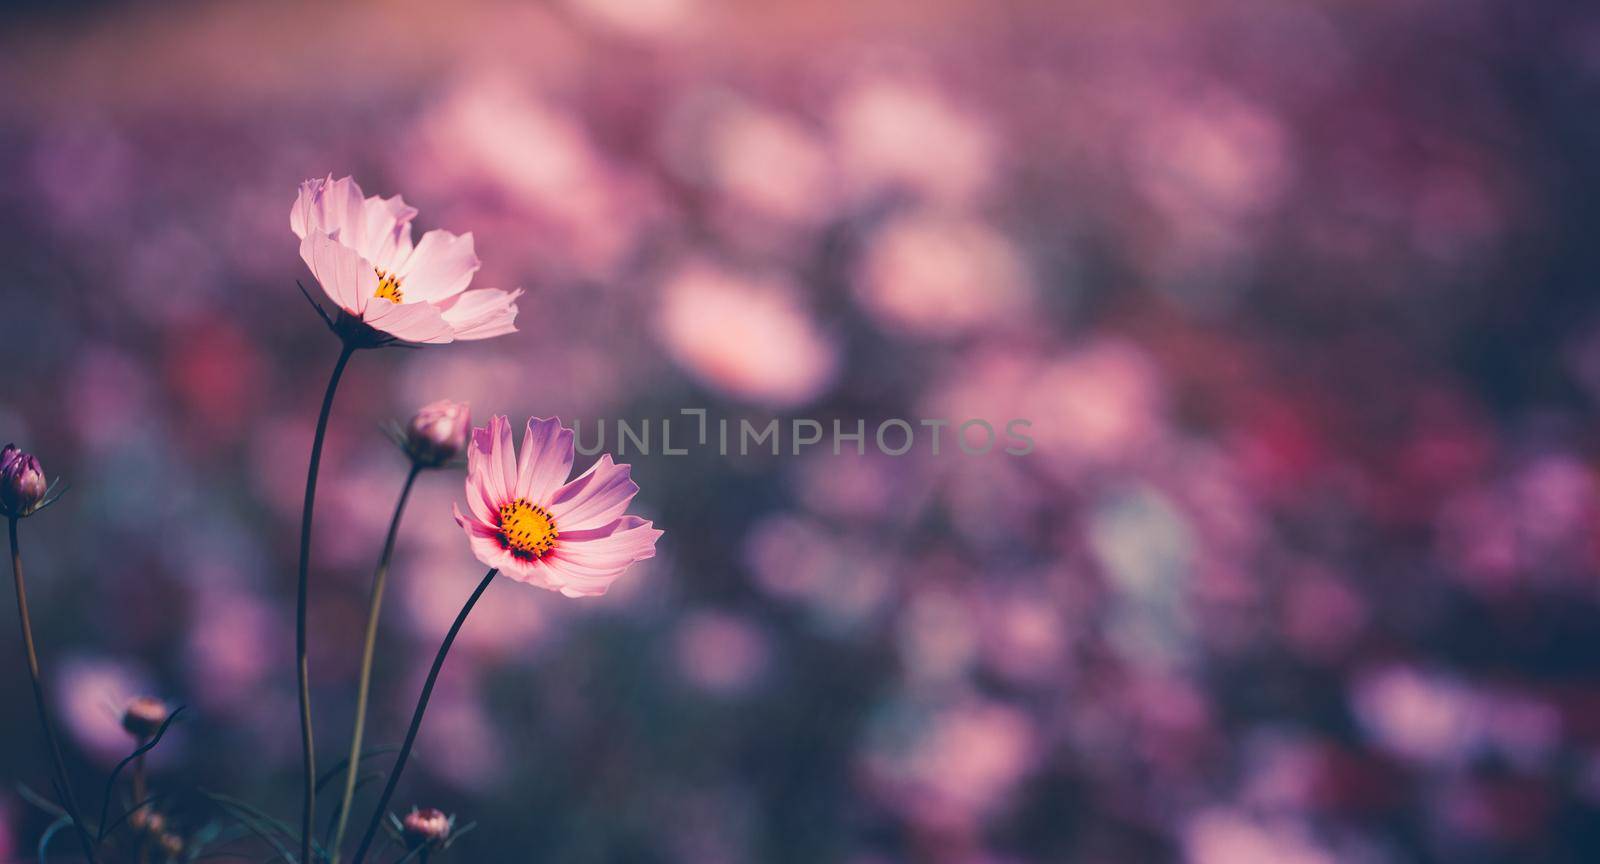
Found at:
<point>388,286</point>
<point>527,529</point>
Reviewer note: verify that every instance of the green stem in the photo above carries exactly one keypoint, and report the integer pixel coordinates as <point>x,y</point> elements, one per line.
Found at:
<point>64,788</point>
<point>309,761</point>
<point>364,683</point>
<point>416,718</point>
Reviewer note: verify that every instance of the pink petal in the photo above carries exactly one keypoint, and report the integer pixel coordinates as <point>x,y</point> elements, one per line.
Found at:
<point>379,229</point>
<point>478,500</point>
<point>595,497</point>
<point>484,541</point>
<point>332,207</point>
<point>440,267</point>
<point>535,573</point>
<point>386,240</point>
<point>545,460</point>
<point>483,313</point>
<point>472,524</point>
<point>575,580</point>
<point>346,277</point>
<point>617,544</point>
<point>410,322</point>
<point>498,466</point>
<point>478,465</point>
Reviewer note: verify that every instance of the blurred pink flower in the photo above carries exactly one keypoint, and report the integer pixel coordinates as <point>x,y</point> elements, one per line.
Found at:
<point>887,129</point>
<point>488,133</point>
<point>232,641</point>
<point>1213,157</point>
<point>1322,614</point>
<point>572,538</point>
<point>720,652</point>
<point>1223,836</point>
<point>1023,636</point>
<point>361,252</point>
<point>769,163</point>
<point>861,487</point>
<point>1100,405</point>
<point>509,623</point>
<point>939,275</point>
<point>463,743</point>
<point>92,694</point>
<point>958,766</point>
<point>1422,716</point>
<point>749,338</point>
<point>846,582</point>
<point>642,18</point>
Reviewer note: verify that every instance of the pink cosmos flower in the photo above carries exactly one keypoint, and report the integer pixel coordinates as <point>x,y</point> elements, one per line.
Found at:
<point>570,537</point>
<point>361,253</point>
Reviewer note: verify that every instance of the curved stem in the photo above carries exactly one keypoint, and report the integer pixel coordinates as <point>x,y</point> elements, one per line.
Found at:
<point>416,718</point>
<point>309,754</point>
<point>64,788</point>
<point>364,683</point>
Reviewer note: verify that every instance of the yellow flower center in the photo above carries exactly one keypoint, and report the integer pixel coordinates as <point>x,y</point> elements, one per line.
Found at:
<point>527,529</point>
<point>388,286</point>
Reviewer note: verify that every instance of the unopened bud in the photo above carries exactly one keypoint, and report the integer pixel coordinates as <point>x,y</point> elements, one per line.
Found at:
<point>147,821</point>
<point>427,827</point>
<point>22,483</point>
<point>171,845</point>
<point>143,717</point>
<point>438,433</point>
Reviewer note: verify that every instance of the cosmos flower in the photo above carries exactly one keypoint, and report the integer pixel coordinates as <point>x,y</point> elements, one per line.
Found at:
<point>361,252</point>
<point>572,537</point>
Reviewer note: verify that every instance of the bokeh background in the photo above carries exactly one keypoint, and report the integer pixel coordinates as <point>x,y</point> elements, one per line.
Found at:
<point>1299,296</point>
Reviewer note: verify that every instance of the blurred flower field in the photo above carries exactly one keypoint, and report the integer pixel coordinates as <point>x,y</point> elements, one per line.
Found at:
<point>1299,298</point>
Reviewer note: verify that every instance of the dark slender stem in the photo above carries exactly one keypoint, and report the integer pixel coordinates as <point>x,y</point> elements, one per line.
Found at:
<point>140,794</point>
<point>309,760</point>
<point>63,786</point>
<point>364,683</point>
<point>416,719</point>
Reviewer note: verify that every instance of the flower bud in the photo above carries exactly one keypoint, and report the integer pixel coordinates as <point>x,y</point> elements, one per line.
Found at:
<point>427,827</point>
<point>438,433</point>
<point>143,717</point>
<point>147,821</point>
<point>22,483</point>
<point>171,845</point>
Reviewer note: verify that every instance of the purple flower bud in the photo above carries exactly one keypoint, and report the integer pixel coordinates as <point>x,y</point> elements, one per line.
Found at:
<point>22,483</point>
<point>438,433</point>
<point>427,827</point>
